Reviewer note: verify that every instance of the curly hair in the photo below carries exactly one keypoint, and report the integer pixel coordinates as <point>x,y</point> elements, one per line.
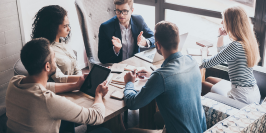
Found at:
<point>47,21</point>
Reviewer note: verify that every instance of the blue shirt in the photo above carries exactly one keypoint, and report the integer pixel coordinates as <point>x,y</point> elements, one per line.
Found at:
<point>176,87</point>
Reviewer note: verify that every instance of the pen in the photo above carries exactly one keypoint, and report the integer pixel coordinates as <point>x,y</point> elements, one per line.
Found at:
<point>137,74</point>
<point>133,72</point>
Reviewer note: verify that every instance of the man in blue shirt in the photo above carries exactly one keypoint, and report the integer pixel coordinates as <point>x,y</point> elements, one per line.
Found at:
<point>176,86</point>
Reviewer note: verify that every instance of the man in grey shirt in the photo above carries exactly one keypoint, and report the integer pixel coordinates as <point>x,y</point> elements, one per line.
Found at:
<point>30,107</point>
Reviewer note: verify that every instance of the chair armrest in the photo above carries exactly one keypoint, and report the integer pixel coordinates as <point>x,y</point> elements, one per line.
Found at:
<point>225,100</point>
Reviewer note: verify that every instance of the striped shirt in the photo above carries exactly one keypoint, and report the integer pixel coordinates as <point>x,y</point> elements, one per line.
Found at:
<point>234,54</point>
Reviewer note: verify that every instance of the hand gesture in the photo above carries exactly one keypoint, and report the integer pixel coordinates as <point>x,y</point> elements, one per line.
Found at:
<point>81,80</point>
<point>117,44</point>
<point>222,32</point>
<point>144,73</point>
<point>141,41</point>
<point>102,89</point>
<point>130,76</point>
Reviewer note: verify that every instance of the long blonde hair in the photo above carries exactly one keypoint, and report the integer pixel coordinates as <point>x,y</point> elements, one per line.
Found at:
<point>238,27</point>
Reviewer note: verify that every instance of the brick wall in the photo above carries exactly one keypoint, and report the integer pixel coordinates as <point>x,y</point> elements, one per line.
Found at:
<point>10,43</point>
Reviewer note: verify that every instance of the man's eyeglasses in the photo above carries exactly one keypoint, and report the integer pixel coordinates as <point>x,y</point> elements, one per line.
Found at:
<point>124,12</point>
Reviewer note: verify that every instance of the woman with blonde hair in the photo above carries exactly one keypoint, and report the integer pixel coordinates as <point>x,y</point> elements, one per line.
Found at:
<point>242,54</point>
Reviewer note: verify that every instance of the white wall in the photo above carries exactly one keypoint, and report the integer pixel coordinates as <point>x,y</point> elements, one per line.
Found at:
<point>28,9</point>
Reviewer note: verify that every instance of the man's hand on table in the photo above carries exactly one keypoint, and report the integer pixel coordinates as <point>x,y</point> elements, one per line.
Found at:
<point>130,77</point>
<point>81,80</point>
<point>100,92</point>
<point>102,89</point>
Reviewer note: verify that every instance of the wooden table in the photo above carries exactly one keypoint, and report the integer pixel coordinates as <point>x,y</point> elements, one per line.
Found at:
<point>114,107</point>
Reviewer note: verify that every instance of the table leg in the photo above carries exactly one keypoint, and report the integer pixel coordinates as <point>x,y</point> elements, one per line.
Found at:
<point>202,72</point>
<point>146,116</point>
<point>126,119</point>
<point>115,125</point>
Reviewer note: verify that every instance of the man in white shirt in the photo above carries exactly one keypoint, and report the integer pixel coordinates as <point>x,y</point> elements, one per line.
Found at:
<point>32,107</point>
<point>123,35</point>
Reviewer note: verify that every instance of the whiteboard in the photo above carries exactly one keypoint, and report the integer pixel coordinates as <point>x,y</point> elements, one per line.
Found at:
<point>27,11</point>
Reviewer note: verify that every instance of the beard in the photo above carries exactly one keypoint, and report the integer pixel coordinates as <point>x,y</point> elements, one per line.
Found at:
<point>158,50</point>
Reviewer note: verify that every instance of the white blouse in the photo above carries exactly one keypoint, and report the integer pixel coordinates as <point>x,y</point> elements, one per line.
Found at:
<point>66,61</point>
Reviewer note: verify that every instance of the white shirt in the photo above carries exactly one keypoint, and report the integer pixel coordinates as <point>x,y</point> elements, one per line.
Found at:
<point>128,42</point>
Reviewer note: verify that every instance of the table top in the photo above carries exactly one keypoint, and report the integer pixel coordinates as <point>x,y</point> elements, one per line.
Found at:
<point>115,107</point>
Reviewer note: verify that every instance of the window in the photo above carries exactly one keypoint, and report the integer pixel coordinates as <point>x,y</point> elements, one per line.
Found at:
<point>208,15</point>
<point>217,5</point>
<point>147,12</point>
<point>197,25</point>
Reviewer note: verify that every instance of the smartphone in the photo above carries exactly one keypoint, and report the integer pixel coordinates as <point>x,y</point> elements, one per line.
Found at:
<point>204,43</point>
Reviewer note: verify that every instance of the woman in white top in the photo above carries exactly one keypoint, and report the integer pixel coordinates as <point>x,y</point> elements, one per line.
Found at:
<point>51,22</point>
<point>242,54</point>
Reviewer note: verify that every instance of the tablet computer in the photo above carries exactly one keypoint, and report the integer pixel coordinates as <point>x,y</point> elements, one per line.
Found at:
<point>97,75</point>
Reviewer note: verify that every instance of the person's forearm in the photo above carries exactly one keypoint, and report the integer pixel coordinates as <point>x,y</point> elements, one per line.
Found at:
<point>98,99</point>
<point>65,87</point>
<point>73,78</point>
<point>220,41</point>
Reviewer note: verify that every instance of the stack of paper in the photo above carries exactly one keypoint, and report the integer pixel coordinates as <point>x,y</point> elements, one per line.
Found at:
<point>120,83</point>
<point>119,79</point>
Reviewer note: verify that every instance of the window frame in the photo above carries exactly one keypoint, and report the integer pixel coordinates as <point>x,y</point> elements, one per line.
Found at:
<point>259,19</point>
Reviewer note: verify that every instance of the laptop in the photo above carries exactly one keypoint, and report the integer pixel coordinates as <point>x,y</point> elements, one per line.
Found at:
<point>97,75</point>
<point>152,55</point>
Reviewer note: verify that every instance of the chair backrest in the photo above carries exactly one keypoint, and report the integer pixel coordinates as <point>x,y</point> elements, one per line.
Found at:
<point>19,68</point>
<point>260,76</point>
<point>92,13</point>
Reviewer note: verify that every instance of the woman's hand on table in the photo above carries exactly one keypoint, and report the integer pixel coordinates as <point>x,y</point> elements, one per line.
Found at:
<point>144,73</point>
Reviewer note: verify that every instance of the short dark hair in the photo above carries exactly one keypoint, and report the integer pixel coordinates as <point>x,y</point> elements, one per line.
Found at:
<point>121,2</point>
<point>35,54</point>
<point>167,34</point>
<point>47,21</point>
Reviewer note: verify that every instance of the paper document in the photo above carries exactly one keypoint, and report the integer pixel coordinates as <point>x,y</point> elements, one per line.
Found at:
<point>139,84</point>
<point>132,68</point>
<point>118,67</point>
<point>117,95</point>
<point>118,85</point>
<point>120,78</point>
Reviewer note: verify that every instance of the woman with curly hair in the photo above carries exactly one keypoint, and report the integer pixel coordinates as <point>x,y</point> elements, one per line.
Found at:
<point>51,22</point>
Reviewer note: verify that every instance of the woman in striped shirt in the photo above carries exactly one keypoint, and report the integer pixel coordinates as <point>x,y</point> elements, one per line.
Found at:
<point>241,55</point>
